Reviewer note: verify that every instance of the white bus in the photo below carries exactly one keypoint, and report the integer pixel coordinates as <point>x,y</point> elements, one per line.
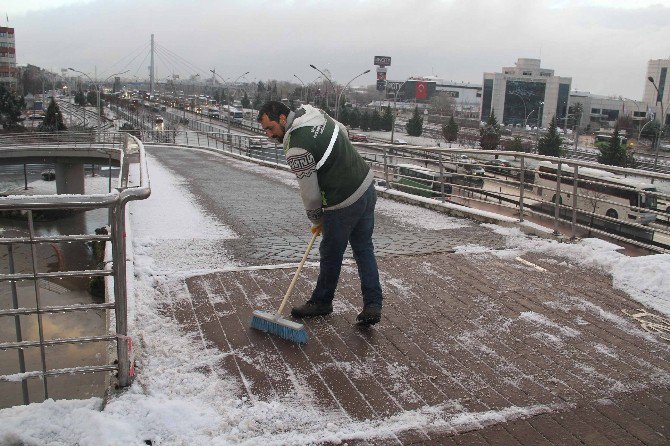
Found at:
<point>599,192</point>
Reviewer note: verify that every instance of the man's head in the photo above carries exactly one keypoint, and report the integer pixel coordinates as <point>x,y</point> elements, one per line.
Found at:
<point>272,117</point>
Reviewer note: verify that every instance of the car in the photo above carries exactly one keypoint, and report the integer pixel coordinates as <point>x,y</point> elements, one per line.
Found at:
<point>399,141</point>
<point>357,137</point>
<point>473,169</point>
<point>500,166</point>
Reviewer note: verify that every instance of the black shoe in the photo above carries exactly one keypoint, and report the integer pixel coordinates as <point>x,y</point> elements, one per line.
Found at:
<point>370,315</point>
<point>312,309</point>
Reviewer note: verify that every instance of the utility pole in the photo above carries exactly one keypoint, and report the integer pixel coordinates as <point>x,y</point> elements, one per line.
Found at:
<point>151,69</point>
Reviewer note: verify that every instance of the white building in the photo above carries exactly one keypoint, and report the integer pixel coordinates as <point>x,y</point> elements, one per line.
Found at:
<point>658,70</point>
<point>525,94</point>
<point>603,111</point>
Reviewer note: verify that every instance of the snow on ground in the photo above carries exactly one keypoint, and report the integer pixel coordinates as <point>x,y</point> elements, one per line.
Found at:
<point>182,396</point>
<point>420,217</point>
<point>171,232</point>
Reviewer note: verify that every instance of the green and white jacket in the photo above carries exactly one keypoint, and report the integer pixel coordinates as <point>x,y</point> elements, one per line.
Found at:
<point>331,173</point>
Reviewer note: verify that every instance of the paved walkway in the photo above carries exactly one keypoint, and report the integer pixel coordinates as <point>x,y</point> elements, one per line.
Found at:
<point>491,348</point>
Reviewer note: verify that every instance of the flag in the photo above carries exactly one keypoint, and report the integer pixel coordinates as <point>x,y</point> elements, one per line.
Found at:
<point>420,90</point>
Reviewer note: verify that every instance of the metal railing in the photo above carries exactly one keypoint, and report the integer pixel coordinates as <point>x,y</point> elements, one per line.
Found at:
<point>123,147</point>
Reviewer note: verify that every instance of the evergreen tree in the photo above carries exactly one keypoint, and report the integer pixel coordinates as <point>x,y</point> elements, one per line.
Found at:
<point>53,119</point>
<point>354,118</point>
<point>245,101</point>
<point>490,134</point>
<point>550,144</point>
<point>516,145</point>
<point>414,125</point>
<point>92,98</point>
<point>614,153</point>
<point>79,98</point>
<point>387,119</point>
<point>365,121</point>
<point>376,121</point>
<point>10,108</point>
<point>450,130</point>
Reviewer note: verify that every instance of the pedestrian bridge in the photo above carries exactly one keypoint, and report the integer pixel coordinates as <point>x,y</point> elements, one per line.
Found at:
<point>488,336</point>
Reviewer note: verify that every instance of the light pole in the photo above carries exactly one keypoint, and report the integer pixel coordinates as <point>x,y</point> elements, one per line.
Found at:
<point>328,79</point>
<point>231,83</point>
<point>659,133</point>
<point>337,103</point>
<point>97,88</point>
<point>524,106</point>
<point>395,100</point>
<point>303,86</point>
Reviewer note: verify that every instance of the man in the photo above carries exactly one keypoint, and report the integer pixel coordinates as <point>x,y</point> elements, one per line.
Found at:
<point>339,196</point>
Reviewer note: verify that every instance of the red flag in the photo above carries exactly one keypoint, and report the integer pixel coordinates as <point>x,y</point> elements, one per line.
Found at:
<point>420,90</point>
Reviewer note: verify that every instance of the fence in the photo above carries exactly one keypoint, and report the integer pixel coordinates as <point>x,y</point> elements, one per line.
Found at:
<point>123,147</point>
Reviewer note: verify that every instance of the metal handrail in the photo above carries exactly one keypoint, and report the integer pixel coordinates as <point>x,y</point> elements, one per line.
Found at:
<point>116,201</point>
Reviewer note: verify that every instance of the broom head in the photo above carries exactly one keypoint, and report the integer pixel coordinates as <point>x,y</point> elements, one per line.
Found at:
<point>276,325</point>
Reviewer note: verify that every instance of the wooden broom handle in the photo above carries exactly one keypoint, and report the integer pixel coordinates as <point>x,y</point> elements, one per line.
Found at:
<point>297,273</point>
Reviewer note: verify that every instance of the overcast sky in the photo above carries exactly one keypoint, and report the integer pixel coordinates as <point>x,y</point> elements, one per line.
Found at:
<point>603,45</point>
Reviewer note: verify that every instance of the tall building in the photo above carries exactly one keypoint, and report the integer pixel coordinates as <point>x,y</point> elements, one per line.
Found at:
<point>7,58</point>
<point>525,94</point>
<point>658,70</point>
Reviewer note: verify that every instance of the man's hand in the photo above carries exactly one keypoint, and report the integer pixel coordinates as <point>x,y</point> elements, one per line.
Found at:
<point>316,229</point>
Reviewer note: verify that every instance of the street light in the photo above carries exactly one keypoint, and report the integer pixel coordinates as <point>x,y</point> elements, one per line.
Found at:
<point>524,107</point>
<point>328,79</point>
<point>303,85</point>
<point>231,83</point>
<point>97,88</point>
<point>395,99</point>
<point>659,133</point>
<point>337,103</point>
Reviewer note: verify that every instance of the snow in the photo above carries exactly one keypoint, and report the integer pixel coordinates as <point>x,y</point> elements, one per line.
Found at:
<point>182,395</point>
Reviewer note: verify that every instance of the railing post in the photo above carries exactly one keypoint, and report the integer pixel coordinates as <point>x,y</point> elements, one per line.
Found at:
<point>17,325</point>
<point>575,181</point>
<point>120,293</point>
<point>557,207</point>
<point>522,187</point>
<point>439,154</point>
<point>386,170</point>
<point>38,303</point>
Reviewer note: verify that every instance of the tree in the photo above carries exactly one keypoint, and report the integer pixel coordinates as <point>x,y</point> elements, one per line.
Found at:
<point>450,130</point>
<point>365,121</point>
<point>614,153</point>
<point>414,125</point>
<point>387,119</point>
<point>92,97</point>
<point>53,119</point>
<point>375,120</point>
<point>550,144</point>
<point>516,145</point>
<point>245,101</point>
<point>10,108</point>
<point>79,98</point>
<point>489,135</point>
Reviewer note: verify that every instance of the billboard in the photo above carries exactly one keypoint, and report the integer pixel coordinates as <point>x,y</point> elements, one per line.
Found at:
<point>383,61</point>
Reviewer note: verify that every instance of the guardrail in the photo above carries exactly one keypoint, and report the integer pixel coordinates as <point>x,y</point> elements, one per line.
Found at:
<point>517,189</point>
<point>125,146</point>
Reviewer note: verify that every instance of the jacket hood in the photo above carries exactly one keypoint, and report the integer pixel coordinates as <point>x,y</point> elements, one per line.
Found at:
<point>306,116</point>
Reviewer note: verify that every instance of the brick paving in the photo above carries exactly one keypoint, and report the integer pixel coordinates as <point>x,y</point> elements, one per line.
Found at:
<point>487,349</point>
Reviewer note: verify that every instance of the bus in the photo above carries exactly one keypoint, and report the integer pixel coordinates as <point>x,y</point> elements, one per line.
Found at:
<point>607,138</point>
<point>599,192</point>
<point>420,181</point>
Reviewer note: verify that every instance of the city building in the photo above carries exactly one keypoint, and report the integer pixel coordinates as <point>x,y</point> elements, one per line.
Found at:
<point>658,70</point>
<point>525,94</point>
<point>466,96</point>
<point>603,111</point>
<point>8,58</point>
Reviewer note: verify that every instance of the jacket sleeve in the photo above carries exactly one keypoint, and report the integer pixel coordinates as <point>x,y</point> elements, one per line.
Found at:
<point>303,165</point>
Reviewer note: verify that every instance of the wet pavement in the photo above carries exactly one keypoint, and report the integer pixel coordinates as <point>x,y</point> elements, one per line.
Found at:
<point>491,348</point>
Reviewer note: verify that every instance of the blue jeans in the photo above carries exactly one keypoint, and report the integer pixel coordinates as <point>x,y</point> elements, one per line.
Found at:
<point>353,224</point>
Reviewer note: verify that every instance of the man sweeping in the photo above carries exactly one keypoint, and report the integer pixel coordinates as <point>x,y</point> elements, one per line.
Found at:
<point>336,186</point>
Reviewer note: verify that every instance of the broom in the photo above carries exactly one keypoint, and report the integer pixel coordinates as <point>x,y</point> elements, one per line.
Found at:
<point>274,323</point>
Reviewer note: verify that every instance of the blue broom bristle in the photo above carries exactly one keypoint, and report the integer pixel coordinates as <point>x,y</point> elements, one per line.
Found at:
<point>283,328</point>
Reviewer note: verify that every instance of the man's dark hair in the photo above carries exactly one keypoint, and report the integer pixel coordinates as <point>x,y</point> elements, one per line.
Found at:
<point>273,109</point>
